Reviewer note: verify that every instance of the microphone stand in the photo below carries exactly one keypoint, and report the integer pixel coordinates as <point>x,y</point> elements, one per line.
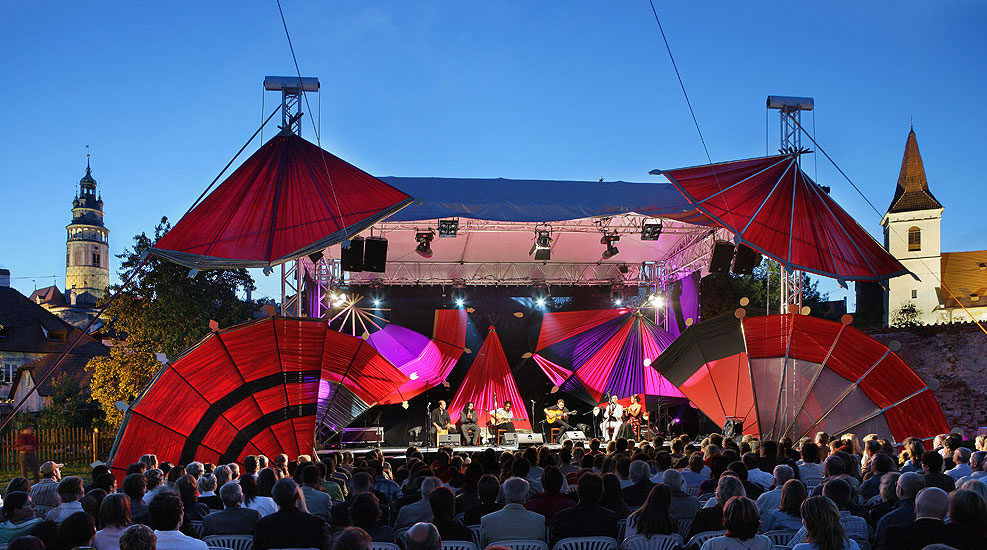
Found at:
<point>531,420</point>
<point>428,420</point>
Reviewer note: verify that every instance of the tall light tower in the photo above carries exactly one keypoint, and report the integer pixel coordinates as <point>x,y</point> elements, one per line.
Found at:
<point>790,115</point>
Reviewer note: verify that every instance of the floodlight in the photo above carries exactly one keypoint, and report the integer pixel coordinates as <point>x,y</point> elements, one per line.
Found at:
<point>609,239</point>
<point>656,300</point>
<point>650,230</point>
<point>424,238</point>
<point>542,249</point>
<point>459,295</point>
<point>448,228</point>
<point>376,296</point>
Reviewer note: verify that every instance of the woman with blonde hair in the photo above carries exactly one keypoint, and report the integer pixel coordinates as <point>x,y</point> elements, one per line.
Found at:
<point>821,519</point>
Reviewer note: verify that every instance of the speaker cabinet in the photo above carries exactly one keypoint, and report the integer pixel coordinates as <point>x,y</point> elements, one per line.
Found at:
<point>449,440</point>
<point>509,439</point>
<point>527,440</point>
<point>375,254</point>
<point>351,257</point>
<point>745,260</point>
<point>573,435</point>
<point>722,257</point>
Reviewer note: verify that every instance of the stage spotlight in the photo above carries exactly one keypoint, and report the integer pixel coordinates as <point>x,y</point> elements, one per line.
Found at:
<point>541,295</point>
<point>617,296</point>
<point>542,249</point>
<point>650,230</point>
<point>424,238</point>
<point>448,228</point>
<point>540,302</point>
<point>459,296</point>
<point>609,239</point>
<point>376,296</point>
<point>656,300</point>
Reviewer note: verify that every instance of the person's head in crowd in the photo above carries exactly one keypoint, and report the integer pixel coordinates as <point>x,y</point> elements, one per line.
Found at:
<point>977,460</point>
<point>717,465</point>
<point>185,486</point>
<point>727,487</point>
<point>623,467</point>
<point>114,511</point>
<point>154,478</point>
<point>793,494</point>
<point>134,486</point>
<point>749,460</point>
<point>951,443</point>
<point>880,463</point>
<point>974,484</point>
<point>639,471</point>
<point>442,501</point>
<point>365,511</point>
<point>174,474</point>
<point>351,538</point>
<point>968,509</point>
<point>590,488</point>
<point>250,465</point>
<point>678,446</point>
<point>738,468</point>
<point>248,488</point>
<point>136,468</point>
<point>223,475</point>
<point>889,486</point>
<point>915,448</point>
<point>839,492</point>
<point>909,484</point>
<point>285,493</point>
<point>18,507</point>
<point>516,490</point>
<point>664,460</point>
<point>195,469</point>
<point>231,495</point>
<point>810,453</point>
<point>673,480</point>
<point>696,462</point>
<point>18,484</point>
<point>552,480</point>
<point>594,445</point>
<point>488,488</point>
<point>362,482</point>
<point>961,456</point>
<point>741,518</point>
<point>51,470</point>
<point>932,462</point>
<point>782,473</point>
<point>262,462</point>
<point>422,536</point>
<point>151,461</point>
<point>70,489</point>
<point>834,466</point>
<point>821,519</point>
<point>654,516</point>
<point>521,467</point>
<point>26,542</point>
<point>429,484</point>
<point>586,462</point>
<point>106,482</point>
<point>311,476</point>
<point>77,530</point>
<point>931,502</point>
<point>92,500</point>
<point>265,482</point>
<point>235,470</point>
<point>165,512</point>
<point>138,537</point>
<point>206,483</point>
<point>769,449</point>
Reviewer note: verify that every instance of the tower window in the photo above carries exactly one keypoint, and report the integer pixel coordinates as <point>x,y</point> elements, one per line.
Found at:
<point>96,258</point>
<point>914,293</point>
<point>914,239</point>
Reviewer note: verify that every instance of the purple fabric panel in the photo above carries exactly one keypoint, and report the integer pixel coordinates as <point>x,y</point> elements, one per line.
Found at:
<point>627,374</point>
<point>684,303</point>
<point>575,351</point>
<point>397,344</point>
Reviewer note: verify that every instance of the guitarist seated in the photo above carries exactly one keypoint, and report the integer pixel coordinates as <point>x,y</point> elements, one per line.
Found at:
<point>558,415</point>
<point>501,419</point>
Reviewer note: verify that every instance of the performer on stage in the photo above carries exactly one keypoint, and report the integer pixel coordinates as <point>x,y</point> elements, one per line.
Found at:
<point>558,414</point>
<point>633,416</point>
<point>612,418</point>
<point>441,423</point>
<point>467,424</point>
<point>502,418</point>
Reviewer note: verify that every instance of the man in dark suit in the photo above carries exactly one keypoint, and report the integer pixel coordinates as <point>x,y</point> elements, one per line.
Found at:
<point>636,493</point>
<point>232,520</point>
<point>907,488</point>
<point>289,527</point>
<point>932,466</point>
<point>930,527</point>
<point>588,518</point>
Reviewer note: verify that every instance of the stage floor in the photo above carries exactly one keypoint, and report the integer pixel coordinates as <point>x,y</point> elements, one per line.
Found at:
<point>399,451</point>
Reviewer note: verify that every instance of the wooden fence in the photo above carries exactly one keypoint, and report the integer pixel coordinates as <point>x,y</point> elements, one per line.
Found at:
<point>71,446</point>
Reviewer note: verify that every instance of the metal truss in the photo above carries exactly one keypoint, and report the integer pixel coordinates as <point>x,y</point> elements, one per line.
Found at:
<point>622,224</point>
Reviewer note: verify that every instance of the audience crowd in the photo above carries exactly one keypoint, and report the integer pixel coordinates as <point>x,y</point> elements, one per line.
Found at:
<point>824,493</point>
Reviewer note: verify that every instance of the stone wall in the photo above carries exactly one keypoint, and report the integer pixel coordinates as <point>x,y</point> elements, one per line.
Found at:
<point>952,359</point>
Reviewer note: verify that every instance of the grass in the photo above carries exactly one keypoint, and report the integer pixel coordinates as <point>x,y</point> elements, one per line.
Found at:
<point>68,470</point>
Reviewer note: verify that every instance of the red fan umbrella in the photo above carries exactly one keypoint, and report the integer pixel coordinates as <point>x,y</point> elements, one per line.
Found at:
<point>770,205</point>
<point>289,199</point>
<point>793,375</point>
<point>258,388</point>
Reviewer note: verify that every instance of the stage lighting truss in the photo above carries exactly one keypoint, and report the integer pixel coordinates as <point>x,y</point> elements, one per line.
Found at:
<point>650,229</point>
<point>448,228</point>
<point>424,239</point>
<point>542,249</point>
<point>609,239</point>
<point>656,300</point>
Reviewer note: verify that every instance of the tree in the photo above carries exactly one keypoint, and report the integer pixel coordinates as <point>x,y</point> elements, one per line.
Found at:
<point>907,315</point>
<point>162,310</point>
<point>722,293</point>
<point>70,407</point>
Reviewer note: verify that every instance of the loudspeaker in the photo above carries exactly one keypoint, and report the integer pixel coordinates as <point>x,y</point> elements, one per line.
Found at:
<point>371,434</point>
<point>745,260</point>
<point>527,440</point>
<point>719,261</point>
<point>508,439</point>
<point>375,254</point>
<point>733,428</point>
<point>450,440</point>
<point>574,435</point>
<point>351,257</point>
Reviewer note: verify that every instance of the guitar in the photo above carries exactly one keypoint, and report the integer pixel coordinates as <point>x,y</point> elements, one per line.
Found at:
<point>551,415</point>
<point>496,418</point>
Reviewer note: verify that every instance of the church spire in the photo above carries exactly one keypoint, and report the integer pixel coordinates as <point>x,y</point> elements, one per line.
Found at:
<point>912,192</point>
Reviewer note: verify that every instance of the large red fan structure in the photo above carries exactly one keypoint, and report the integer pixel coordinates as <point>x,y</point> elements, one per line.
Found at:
<point>793,375</point>
<point>258,388</point>
<point>770,205</point>
<point>289,199</point>
<point>488,380</point>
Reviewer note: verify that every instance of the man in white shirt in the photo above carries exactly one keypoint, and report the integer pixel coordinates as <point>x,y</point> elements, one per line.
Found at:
<point>70,491</point>
<point>755,474</point>
<point>612,418</point>
<point>771,500</point>
<point>513,521</point>
<point>165,512</point>
<point>961,457</point>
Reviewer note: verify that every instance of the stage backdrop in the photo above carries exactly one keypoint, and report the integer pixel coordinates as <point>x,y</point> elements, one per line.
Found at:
<point>490,375</point>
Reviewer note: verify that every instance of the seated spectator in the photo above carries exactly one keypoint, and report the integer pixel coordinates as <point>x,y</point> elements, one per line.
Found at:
<point>195,469</point>
<point>961,459</point>
<point>907,488</point>
<point>487,489</point>
<point>637,492</point>
<point>838,491</point>
<point>18,517</point>
<point>333,486</point>
<point>423,536</point>
<point>77,530</point>
<point>44,493</point>
<point>613,496</point>
<point>711,519</point>
<point>810,470</point>
<point>587,518</point>
<point>317,500</point>
<point>233,519</point>
<point>133,487</point>
<point>755,475</point>
<point>420,511</point>
<point>929,527</point>
<point>977,464</point>
<point>114,519</point>
<point>770,500</point>
<point>365,513</point>
<point>290,527</point>
<point>513,521</point>
<point>165,512</point>
<point>18,484</point>
<point>914,449</point>
<point>694,475</point>
<point>154,484</point>
<point>741,520</point>
<point>824,531</point>
<point>549,502</point>
<point>69,491</point>
<point>443,504</point>
<point>26,542</point>
<point>717,465</point>
<point>879,465</point>
<point>888,499</point>
<point>682,506</point>
<point>138,537</point>
<point>351,538</point>
<point>654,516</point>
<point>206,484</point>
<point>192,509</point>
<point>932,467</point>
<point>91,501</point>
<point>969,510</point>
<point>252,500</point>
<point>788,513</point>
<point>105,481</point>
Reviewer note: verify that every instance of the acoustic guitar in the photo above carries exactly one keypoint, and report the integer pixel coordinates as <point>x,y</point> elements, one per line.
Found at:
<point>500,419</point>
<point>551,415</point>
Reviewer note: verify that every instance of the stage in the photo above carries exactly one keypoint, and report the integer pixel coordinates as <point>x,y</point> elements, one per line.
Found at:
<point>390,452</point>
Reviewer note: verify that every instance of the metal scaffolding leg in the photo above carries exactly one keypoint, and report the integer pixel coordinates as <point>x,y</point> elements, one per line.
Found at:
<point>791,291</point>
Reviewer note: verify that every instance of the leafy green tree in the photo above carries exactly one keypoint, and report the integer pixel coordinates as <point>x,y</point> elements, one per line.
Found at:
<point>70,407</point>
<point>722,293</point>
<point>162,310</point>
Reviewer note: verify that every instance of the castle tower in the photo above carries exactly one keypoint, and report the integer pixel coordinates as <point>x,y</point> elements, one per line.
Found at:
<point>87,272</point>
<point>912,235</point>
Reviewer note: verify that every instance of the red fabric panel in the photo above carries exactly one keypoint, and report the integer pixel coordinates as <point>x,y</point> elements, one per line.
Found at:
<point>300,344</point>
<point>340,350</point>
<point>723,388</point>
<point>220,435</point>
<point>854,354</point>
<point>450,327</point>
<point>285,197</point>
<point>270,400</point>
<point>142,436</point>
<point>209,369</point>
<point>285,432</point>
<point>436,360</point>
<point>254,349</point>
<point>243,413</point>
<point>556,327</point>
<point>595,372</point>
<point>891,381</point>
<point>370,376</point>
<point>920,416</point>
<point>490,374</point>
<point>304,429</point>
<point>180,414</point>
<point>205,454</point>
<point>558,375</point>
<point>267,443</point>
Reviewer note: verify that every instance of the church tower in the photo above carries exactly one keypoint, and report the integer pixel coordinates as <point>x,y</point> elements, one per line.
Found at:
<point>912,235</point>
<point>87,272</point>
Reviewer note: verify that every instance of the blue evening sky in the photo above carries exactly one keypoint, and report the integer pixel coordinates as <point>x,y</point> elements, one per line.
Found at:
<point>166,92</point>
